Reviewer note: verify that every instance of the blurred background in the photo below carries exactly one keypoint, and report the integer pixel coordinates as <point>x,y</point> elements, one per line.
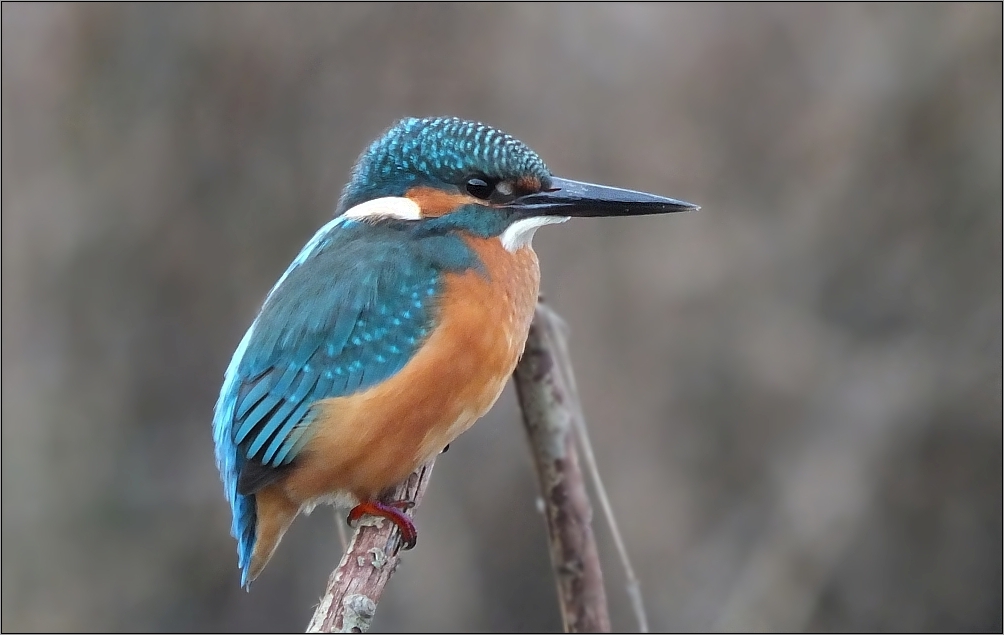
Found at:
<point>794,394</point>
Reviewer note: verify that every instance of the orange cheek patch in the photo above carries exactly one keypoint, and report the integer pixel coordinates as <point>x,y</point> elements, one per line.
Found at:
<point>434,203</point>
<point>528,184</point>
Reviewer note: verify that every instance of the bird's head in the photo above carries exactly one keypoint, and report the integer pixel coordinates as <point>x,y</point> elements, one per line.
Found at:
<point>449,174</point>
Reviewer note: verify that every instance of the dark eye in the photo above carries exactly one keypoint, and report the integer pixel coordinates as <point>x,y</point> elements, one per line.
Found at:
<point>480,188</point>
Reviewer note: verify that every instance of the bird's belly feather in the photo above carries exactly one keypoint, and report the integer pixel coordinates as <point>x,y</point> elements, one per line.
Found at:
<point>372,440</point>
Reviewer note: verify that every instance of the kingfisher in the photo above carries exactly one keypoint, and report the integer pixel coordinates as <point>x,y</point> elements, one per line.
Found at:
<point>394,329</point>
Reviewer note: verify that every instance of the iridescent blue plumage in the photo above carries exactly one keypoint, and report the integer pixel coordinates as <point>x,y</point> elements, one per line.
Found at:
<point>437,150</point>
<point>349,312</point>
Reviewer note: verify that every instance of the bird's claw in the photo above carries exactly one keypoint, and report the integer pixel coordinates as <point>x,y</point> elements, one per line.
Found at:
<point>392,511</point>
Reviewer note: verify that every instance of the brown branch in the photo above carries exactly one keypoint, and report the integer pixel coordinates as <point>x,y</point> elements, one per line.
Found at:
<point>355,586</point>
<point>548,417</point>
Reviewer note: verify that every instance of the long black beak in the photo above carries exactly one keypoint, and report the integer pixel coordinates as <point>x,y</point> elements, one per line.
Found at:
<point>574,198</point>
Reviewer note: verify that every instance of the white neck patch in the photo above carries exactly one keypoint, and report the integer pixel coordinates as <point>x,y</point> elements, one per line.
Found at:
<point>397,207</point>
<point>520,233</point>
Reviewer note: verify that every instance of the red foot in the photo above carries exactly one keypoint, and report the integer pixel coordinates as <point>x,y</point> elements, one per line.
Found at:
<point>392,512</point>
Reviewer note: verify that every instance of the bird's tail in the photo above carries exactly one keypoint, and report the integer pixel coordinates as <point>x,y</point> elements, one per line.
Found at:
<point>229,461</point>
<point>259,521</point>
<point>244,526</point>
<point>273,513</point>
<point>244,530</point>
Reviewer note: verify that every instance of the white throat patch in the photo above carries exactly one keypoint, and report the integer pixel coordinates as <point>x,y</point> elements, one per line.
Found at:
<point>387,207</point>
<point>520,233</point>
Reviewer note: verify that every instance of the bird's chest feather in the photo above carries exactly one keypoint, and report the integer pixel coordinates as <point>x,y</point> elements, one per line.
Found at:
<point>486,316</point>
<point>373,439</point>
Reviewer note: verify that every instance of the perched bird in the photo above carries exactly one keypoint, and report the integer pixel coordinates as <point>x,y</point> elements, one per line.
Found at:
<point>395,328</point>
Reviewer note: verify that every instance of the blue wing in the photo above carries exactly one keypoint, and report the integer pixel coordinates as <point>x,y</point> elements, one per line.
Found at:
<point>349,313</point>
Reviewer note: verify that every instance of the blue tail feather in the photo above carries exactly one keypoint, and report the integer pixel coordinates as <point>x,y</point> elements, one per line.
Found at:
<point>229,461</point>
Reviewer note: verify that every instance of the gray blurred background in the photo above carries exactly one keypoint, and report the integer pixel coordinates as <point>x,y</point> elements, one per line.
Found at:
<point>795,394</point>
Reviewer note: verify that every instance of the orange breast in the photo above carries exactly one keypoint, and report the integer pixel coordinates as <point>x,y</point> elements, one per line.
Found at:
<point>372,440</point>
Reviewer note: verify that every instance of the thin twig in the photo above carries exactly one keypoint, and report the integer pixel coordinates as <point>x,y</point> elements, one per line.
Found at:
<point>632,585</point>
<point>355,586</point>
<point>545,399</point>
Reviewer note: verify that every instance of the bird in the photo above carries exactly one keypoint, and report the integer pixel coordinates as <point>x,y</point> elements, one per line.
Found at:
<point>394,329</point>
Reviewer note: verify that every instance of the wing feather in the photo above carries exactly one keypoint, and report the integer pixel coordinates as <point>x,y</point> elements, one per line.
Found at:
<point>342,318</point>
<point>345,317</point>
